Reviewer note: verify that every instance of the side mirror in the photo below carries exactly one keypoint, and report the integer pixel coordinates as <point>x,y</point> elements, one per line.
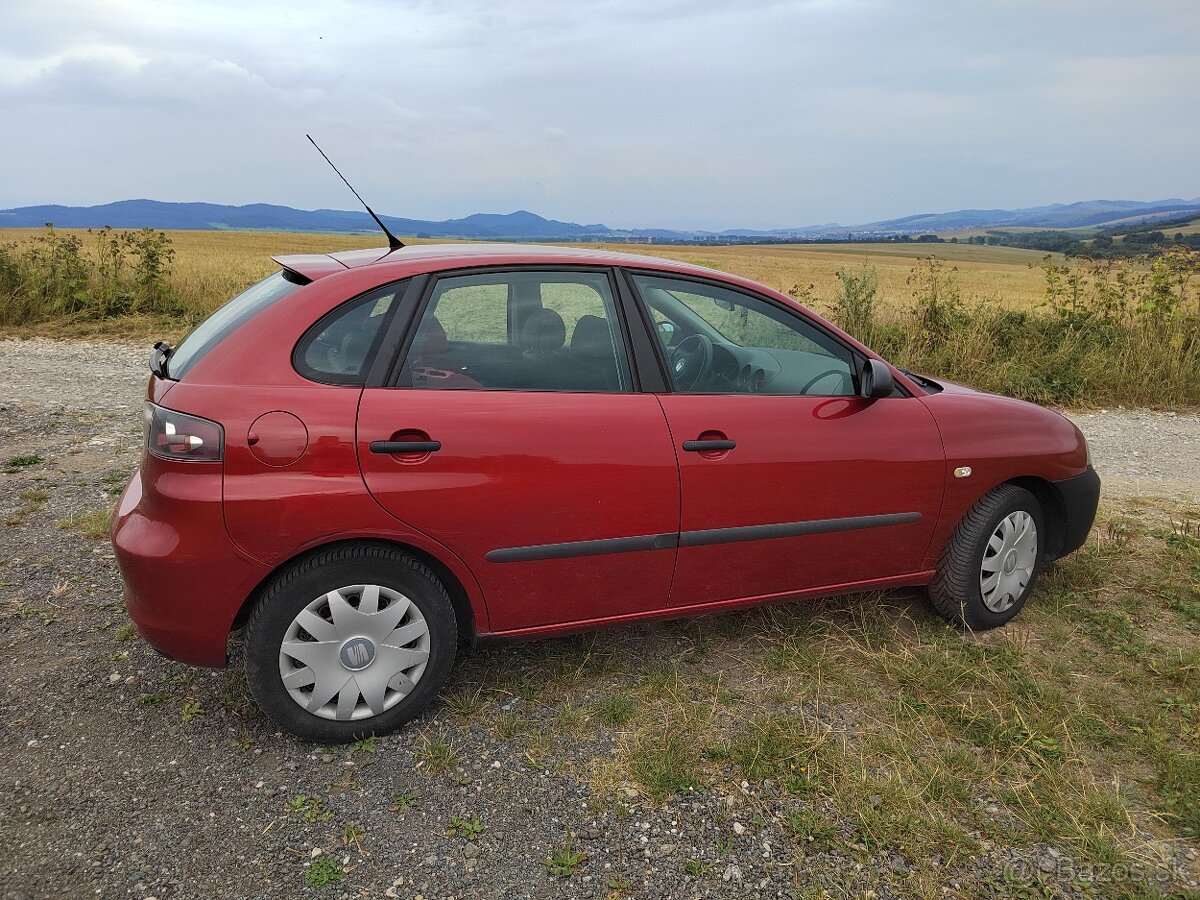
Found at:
<point>876,380</point>
<point>666,331</point>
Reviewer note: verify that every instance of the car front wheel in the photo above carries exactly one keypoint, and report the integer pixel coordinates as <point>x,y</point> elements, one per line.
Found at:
<point>350,642</point>
<point>991,562</point>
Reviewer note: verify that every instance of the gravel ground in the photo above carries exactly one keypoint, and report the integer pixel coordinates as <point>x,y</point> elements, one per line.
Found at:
<point>125,775</point>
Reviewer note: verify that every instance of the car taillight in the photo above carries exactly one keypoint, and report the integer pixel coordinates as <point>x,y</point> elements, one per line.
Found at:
<point>176,435</point>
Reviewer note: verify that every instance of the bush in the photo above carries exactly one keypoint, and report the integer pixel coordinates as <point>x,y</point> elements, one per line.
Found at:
<point>1109,332</point>
<point>55,277</point>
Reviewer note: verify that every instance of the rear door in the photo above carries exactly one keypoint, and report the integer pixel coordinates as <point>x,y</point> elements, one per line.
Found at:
<point>514,436</point>
<point>789,480</point>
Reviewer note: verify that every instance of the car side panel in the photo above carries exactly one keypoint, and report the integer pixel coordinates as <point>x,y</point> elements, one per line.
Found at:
<point>856,486</point>
<point>523,469</point>
<point>999,439</point>
<point>275,512</point>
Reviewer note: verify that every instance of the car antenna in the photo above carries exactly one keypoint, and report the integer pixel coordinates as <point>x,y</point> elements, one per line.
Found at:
<point>394,243</point>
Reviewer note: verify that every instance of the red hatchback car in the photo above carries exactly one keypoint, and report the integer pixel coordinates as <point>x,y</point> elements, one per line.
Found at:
<point>370,454</point>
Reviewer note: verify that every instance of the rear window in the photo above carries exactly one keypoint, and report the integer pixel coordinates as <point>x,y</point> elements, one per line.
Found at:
<point>226,320</point>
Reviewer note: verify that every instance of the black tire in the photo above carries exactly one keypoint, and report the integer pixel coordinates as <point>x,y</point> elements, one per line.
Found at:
<point>956,592</point>
<point>296,586</point>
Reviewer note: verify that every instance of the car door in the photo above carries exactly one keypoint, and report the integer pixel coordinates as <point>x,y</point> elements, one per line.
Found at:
<point>789,480</point>
<point>514,436</point>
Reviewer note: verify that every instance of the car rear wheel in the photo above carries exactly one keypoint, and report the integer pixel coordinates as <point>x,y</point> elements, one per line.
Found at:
<point>349,642</point>
<point>991,562</point>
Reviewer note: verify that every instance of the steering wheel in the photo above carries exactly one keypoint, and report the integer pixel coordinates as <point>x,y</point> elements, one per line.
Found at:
<point>691,360</point>
<point>837,373</point>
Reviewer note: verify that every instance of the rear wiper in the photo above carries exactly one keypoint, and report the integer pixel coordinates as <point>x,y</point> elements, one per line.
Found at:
<point>158,358</point>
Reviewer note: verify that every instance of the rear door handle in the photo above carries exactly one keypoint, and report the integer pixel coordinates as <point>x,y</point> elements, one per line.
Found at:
<point>703,446</point>
<point>405,446</point>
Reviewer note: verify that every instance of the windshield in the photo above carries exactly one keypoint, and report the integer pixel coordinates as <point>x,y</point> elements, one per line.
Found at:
<point>225,320</point>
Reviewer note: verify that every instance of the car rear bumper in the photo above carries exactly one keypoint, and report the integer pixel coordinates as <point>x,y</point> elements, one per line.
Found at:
<point>184,579</point>
<point>1080,496</point>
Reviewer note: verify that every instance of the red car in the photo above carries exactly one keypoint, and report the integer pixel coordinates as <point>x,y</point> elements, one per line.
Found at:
<point>369,455</point>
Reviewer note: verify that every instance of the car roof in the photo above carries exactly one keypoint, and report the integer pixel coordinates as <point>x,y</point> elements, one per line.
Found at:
<point>430,257</point>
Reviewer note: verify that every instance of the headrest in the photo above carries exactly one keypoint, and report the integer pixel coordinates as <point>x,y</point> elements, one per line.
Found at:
<point>592,338</point>
<point>544,330</point>
<point>430,339</point>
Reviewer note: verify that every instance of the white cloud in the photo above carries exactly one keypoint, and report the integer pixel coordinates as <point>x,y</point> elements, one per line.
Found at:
<point>685,113</point>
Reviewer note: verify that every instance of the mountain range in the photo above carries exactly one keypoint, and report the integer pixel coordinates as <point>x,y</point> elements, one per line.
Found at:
<point>524,225</point>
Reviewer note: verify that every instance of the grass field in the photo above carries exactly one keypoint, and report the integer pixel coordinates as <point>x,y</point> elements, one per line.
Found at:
<point>212,266</point>
<point>880,730</point>
<point>1012,321</point>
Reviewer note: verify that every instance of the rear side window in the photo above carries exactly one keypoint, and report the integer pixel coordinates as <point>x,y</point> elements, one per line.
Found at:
<point>226,320</point>
<point>341,347</point>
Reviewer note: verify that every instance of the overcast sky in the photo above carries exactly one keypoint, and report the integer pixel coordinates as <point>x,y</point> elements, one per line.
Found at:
<point>679,113</point>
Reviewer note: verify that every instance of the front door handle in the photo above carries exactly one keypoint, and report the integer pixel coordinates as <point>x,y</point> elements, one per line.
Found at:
<point>708,446</point>
<point>405,446</point>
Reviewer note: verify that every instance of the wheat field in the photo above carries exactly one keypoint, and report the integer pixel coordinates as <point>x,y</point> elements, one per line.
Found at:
<point>211,266</point>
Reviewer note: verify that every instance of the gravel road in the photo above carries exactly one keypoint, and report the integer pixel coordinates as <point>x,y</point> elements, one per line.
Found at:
<point>125,775</point>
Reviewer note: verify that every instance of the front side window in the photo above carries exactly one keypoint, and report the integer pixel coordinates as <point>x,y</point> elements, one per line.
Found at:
<point>340,348</point>
<point>527,330</point>
<point>721,341</point>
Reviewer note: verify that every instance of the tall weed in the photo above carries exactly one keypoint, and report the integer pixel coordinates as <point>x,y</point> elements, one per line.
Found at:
<point>56,277</point>
<point>1108,331</point>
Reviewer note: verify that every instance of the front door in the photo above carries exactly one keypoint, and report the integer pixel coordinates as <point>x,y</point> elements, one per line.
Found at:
<point>789,480</point>
<point>515,440</point>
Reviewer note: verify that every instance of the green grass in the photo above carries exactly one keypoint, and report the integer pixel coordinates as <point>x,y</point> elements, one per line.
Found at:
<point>93,525</point>
<point>311,809</point>
<point>613,710</point>
<point>437,755</point>
<point>323,872</point>
<point>564,861</point>
<point>465,828</point>
<point>24,461</point>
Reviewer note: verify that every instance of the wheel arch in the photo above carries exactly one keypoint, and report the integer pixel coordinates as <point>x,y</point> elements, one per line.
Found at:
<point>1054,514</point>
<point>464,611</point>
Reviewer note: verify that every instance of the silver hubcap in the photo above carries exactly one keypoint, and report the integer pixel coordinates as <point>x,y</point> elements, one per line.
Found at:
<point>1008,561</point>
<point>354,652</point>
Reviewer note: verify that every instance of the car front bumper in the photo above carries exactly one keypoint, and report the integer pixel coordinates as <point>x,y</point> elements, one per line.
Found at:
<point>1080,496</point>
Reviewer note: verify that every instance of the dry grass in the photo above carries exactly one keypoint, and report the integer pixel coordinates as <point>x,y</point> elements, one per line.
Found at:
<point>212,266</point>
<point>93,525</point>
<point>1005,275</point>
<point>871,728</point>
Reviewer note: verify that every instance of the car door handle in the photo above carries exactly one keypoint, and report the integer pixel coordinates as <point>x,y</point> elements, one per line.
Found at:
<point>405,446</point>
<point>708,446</point>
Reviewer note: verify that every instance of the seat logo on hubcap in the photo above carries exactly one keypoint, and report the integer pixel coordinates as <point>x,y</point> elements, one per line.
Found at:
<point>1010,562</point>
<point>357,653</point>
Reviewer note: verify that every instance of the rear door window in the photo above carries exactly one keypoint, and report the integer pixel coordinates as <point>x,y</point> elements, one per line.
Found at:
<point>341,347</point>
<point>519,330</point>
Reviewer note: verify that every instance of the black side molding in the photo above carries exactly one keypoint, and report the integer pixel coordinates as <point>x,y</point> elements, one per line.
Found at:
<point>791,529</point>
<point>696,538</point>
<point>584,548</point>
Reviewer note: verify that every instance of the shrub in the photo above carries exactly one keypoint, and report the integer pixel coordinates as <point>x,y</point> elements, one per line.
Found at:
<point>55,276</point>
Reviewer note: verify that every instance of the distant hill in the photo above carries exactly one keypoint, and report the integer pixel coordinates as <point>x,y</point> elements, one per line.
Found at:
<point>1057,215</point>
<point>263,216</point>
<point>524,225</point>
